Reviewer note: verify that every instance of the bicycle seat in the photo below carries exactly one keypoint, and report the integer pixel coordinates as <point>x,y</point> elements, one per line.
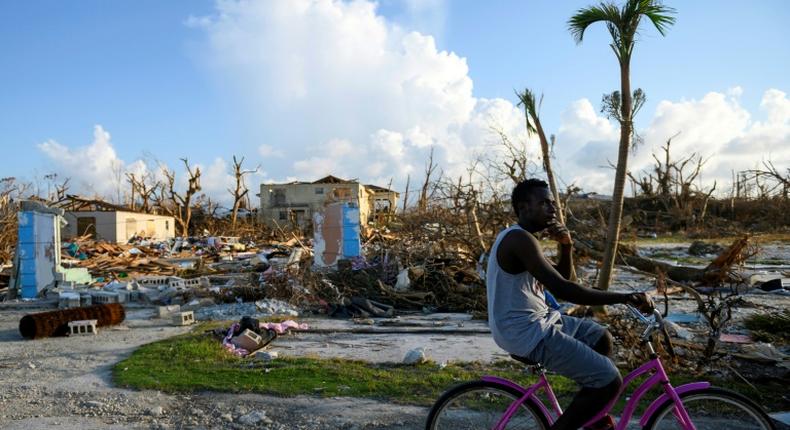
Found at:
<point>524,360</point>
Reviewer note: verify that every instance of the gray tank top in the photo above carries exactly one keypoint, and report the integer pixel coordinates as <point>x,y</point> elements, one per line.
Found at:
<point>517,312</point>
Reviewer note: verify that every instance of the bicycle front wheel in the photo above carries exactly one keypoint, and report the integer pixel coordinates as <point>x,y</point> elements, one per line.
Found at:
<point>712,409</point>
<point>481,405</point>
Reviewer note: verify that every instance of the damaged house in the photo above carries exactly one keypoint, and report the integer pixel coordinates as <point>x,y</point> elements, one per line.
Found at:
<point>111,223</point>
<point>296,202</point>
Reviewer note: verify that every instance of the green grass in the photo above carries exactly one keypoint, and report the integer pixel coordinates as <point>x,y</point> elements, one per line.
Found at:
<point>197,363</point>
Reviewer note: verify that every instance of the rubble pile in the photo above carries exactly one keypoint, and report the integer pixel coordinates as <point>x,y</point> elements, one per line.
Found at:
<point>427,260</point>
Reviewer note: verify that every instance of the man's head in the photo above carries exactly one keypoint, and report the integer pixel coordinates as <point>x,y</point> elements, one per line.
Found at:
<point>534,205</point>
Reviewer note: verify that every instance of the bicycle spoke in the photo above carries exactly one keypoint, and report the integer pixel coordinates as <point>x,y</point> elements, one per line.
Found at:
<point>483,408</point>
<point>713,411</point>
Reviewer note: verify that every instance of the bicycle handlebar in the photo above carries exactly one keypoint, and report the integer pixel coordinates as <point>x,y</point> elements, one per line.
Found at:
<point>639,315</point>
<point>652,325</point>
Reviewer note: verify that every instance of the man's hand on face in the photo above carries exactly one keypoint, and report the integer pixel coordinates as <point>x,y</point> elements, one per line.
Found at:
<point>641,301</point>
<point>559,232</point>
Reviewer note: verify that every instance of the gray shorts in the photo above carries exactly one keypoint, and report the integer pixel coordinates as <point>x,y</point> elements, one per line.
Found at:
<point>567,349</point>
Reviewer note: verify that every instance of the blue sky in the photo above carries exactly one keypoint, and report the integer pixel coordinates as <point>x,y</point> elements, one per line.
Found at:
<point>168,79</point>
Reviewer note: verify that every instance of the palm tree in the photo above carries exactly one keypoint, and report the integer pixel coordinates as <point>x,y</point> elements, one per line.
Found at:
<point>622,24</point>
<point>531,113</point>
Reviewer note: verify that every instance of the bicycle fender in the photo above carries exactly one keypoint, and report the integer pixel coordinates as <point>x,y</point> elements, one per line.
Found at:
<point>665,397</point>
<point>522,390</point>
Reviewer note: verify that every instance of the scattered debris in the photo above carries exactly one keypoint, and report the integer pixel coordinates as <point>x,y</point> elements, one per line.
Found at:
<point>415,356</point>
<point>765,352</point>
<point>735,338</point>
<point>254,418</point>
<point>82,327</point>
<point>184,318</point>
<point>55,323</point>
<point>700,248</point>
<point>266,355</point>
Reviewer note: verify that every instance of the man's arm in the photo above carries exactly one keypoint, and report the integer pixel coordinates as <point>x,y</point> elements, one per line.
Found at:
<point>563,266</point>
<point>561,234</point>
<point>525,248</point>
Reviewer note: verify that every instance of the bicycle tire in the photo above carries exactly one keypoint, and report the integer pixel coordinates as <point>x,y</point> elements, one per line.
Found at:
<point>435,416</point>
<point>742,413</point>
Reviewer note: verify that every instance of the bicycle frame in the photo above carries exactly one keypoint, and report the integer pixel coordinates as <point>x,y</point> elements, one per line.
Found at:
<point>659,377</point>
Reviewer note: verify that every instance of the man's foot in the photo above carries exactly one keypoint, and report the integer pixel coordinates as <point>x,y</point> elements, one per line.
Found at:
<point>605,423</point>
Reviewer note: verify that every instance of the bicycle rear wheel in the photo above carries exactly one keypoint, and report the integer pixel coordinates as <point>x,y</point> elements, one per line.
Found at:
<point>480,405</point>
<point>712,409</point>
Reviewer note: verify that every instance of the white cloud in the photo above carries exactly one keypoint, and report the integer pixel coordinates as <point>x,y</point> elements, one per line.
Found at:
<point>716,127</point>
<point>321,73</point>
<point>215,180</point>
<point>93,168</point>
<point>267,151</point>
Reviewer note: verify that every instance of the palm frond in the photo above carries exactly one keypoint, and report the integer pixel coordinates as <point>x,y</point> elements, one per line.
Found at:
<point>583,18</point>
<point>526,99</point>
<point>660,15</point>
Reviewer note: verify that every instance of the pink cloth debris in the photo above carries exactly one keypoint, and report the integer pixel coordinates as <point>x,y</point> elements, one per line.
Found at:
<point>227,344</point>
<point>735,338</point>
<point>284,326</point>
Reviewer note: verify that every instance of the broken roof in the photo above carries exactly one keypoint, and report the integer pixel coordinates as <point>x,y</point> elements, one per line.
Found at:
<point>335,180</point>
<point>379,189</point>
<point>74,203</point>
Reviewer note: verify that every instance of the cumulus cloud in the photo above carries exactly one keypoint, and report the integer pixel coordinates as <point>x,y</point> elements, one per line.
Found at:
<point>96,169</point>
<point>716,127</point>
<point>93,168</point>
<point>216,180</point>
<point>337,88</point>
<point>268,151</point>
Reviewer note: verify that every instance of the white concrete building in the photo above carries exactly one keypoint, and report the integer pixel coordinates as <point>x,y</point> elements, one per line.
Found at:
<point>296,202</point>
<point>112,223</point>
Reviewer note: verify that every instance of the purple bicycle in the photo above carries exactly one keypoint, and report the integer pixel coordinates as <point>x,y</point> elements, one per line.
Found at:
<point>497,403</point>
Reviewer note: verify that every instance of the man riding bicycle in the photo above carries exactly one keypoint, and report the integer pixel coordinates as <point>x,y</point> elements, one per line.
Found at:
<point>524,325</point>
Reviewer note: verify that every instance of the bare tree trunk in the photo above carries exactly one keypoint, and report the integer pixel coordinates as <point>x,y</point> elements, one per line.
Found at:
<point>241,189</point>
<point>406,193</point>
<point>476,224</point>
<point>182,205</point>
<point>422,203</point>
<point>704,210</point>
<point>133,183</point>
<point>544,147</point>
<point>626,126</point>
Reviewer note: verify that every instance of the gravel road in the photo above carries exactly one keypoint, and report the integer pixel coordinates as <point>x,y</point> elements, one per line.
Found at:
<point>65,383</point>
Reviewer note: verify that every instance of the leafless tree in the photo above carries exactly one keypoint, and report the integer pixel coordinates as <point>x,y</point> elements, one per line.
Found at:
<point>770,180</point>
<point>116,167</point>
<point>144,186</point>
<point>241,190</point>
<point>180,205</point>
<point>516,164</point>
<point>406,193</point>
<point>673,183</point>
<point>428,187</point>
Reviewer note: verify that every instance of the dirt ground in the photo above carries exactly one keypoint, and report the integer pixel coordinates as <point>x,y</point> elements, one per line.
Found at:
<point>65,383</point>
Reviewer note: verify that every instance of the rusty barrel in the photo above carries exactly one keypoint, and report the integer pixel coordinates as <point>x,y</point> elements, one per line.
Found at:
<point>56,323</point>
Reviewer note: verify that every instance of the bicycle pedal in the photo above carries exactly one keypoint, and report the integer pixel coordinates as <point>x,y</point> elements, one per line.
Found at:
<point>605,423</point>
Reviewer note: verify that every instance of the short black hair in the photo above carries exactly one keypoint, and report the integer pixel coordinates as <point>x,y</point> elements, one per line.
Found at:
<point>523,189</point>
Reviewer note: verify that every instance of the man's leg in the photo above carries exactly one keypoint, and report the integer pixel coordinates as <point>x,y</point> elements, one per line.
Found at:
<point>574,358</point>
<point>587,403</point>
